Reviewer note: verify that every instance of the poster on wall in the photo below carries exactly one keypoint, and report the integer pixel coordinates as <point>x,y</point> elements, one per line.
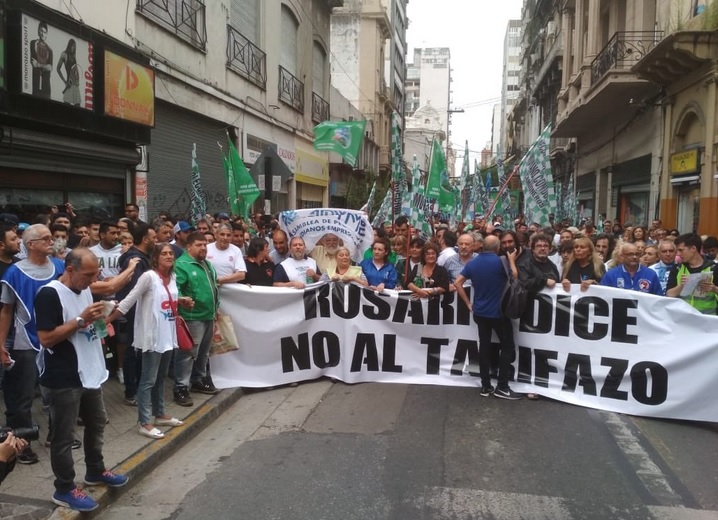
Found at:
<point>129,90</point>
<point>56,65</point>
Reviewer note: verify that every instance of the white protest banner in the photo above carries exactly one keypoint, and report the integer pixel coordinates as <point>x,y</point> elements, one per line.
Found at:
<point>351,226</point>
<point>605,348</point>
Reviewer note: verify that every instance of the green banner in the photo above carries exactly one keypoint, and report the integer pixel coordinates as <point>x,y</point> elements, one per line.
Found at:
<point>342,137</point>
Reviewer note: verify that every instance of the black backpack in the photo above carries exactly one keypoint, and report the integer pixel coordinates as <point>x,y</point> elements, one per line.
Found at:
<point>513,301</point>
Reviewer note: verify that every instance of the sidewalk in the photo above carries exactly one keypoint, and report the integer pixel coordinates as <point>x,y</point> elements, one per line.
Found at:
<point>26,493</point>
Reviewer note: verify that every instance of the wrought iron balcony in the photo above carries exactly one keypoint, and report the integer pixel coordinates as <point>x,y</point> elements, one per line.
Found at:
<point>246,58</point>
<point>291,90</point>
<point>623,51</point>
<point>320,109</point>
<point>184,18</point>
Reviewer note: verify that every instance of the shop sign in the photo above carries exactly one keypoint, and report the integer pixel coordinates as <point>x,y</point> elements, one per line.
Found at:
<point>129,90</point>
<point>255,146</point>
<point>312,169</point>
<point>56,65</point>
<point>684,162</point>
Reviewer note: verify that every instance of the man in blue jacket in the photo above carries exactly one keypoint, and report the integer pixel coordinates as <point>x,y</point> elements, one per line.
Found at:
<point>632,275</point>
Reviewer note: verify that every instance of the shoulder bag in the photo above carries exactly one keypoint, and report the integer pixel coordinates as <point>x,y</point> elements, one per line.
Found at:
<point>184,336</point>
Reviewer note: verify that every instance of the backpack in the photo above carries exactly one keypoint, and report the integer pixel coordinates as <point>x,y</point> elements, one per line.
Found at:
<point>513,300</point>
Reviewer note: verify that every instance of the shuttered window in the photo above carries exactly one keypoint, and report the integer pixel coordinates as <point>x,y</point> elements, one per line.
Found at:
<point>244,16</point>
<point>319,60</point>
<point>289,31</point>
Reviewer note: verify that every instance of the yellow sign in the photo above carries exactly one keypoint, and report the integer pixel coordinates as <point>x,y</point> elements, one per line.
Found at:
<point>685,162</point>
<point>129,90</point>
<point>311,169</point>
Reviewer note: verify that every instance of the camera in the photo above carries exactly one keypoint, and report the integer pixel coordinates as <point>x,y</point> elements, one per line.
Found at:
<point>28,433</point>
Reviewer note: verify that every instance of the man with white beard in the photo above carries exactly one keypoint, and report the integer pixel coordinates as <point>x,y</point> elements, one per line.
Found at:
<point>296,271</point>
<point>325,253</point>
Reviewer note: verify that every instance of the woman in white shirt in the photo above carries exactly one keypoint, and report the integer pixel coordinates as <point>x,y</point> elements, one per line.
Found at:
<point>156,297</point>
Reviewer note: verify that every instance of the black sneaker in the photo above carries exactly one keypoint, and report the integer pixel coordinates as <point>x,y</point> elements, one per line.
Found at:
<point>183,398</point>
<point>27,456</point>
<point>507,393</point>
<point>486,391</point>
<point>203,387</point>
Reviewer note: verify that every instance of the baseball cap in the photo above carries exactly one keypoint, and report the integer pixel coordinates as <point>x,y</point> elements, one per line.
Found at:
<point>499,228</point>
<point>22,226</point>
<point>573,229</point>
<point>9,218</point>
<point>222,216</point>
<point>183,226</point>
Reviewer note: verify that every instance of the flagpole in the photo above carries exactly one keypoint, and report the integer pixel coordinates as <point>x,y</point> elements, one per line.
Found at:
<point>501,190</point>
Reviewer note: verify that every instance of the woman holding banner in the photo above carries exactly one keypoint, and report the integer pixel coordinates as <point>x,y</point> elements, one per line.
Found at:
<point>432,279</point>
<point>584,266</point>
<point>379,272</point>
<point>345,271</point>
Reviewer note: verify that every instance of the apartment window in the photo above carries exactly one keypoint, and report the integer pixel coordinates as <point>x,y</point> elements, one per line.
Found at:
<point>243,56</point>
<point>289,31</point>
<point>244,16</point>
<point>291,89</point>
<point>183,18</point>
<point>319,61</point>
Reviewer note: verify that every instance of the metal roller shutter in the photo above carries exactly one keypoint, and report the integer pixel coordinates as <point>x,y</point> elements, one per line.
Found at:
<point>170,161</point>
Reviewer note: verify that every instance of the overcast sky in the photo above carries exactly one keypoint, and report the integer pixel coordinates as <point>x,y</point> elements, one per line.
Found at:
<point>474,30</point>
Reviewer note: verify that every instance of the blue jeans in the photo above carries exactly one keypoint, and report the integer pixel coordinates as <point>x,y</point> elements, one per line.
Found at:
<point>191,366</point>
<point>151,390</point>
<point>19,388</point>
<point>66,404</point>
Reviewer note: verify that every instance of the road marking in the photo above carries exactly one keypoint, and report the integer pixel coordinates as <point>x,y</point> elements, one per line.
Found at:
<point>442,503</point>
<point>646,470</point>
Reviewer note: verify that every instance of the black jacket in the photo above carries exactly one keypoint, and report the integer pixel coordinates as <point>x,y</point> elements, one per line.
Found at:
<point>533,274</point>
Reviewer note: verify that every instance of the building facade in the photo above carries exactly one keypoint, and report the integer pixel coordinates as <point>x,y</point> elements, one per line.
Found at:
<point>220,70</point>
<point>360,30</point>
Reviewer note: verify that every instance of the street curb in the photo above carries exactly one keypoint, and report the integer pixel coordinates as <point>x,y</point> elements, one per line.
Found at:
<point>144,460</point>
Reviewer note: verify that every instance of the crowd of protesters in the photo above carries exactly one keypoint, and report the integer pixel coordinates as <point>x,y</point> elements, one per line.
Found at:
<point>119,286</point>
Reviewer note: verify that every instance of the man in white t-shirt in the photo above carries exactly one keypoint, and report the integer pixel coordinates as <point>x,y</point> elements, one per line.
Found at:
<point>296,271</point>
<point>226,258</point>
<point>108,250</point>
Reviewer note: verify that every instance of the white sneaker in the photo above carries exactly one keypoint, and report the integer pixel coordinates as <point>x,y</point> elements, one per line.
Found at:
<point>121,377</point>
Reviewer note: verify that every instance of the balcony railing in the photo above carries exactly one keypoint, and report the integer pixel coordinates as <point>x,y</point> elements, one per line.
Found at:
<point>184,18</point>
<point>623,51</point>
<point>291,90</point>
<point>246,58</point>
<point>320,109</point>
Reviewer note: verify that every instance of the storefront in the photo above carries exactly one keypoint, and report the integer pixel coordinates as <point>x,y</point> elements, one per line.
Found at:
<point>630,190</point>
<point>66,134</point>
<point>685,181</point>
<point>170,161</point>
<point>586,196</point>
<point>272,164</point>
<point>312,178</point>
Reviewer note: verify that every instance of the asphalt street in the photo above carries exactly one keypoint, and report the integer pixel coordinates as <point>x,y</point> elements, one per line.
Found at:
<point>326,450</point>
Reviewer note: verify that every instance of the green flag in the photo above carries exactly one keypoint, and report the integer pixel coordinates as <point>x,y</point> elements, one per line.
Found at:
<point>231,186</point>
<point>246,188</point>
<point>342,137</point>
<point>197,200</point>
<point>437,164</point>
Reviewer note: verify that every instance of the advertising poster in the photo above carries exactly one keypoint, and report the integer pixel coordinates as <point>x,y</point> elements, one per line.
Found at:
<point>56,65</point>
<point>129,90</point>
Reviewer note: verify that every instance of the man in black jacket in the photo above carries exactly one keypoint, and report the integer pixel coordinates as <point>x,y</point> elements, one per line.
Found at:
<point>536,271</point>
